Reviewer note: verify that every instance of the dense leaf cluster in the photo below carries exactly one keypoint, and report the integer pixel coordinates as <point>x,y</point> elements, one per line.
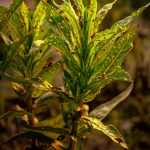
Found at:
<point>90,59</point>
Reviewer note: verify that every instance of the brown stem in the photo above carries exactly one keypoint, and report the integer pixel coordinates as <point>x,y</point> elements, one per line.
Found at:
<point>74,132</point>
<point>30,109</point>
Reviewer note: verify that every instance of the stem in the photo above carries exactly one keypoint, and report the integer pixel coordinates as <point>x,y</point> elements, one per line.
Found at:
<point>74,132</point>
<point>30,109</point>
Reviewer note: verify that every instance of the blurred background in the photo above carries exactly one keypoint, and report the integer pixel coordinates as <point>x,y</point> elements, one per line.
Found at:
<point>132,116</point>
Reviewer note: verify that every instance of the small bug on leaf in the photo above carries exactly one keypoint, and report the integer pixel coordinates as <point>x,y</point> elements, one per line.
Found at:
<point>119,140</point>
<point>80,21</point>
<point>104,76</point>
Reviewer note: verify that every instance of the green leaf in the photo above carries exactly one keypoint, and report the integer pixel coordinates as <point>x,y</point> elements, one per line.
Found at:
<point>61,37</point>
<point>102,39</point>
<point>49,72</point>
<point>123,24</point>
<point>38,18</point>
<point>63,95</point>
<point>70,82</point>
<point>113,55</point>
<point>92,16</point>
<point>3,10</point>
<point>73,19</point>
<point>97,84</point>
<point>49,129</point>
<point>66,112</point>
<point>110,130</point>
<point>101,15</point>
<point>30,134</point>
<point>16,27</point>
<point>15,79</point>
<point>119,51</point>
<point>58,43</point>
<point>103,110</point>
<point>12,51</point>
<point>56,122</point>
<point>80,7</point>
<point>9,13</point>
<point>14,114</point>
<point>24,13</point>
<point>58,22</point>
<point>100,44</point>
<point>40,58</point>
<point>40,84</point>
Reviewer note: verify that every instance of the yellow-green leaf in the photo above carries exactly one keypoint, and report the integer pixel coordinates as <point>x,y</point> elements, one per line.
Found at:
<point>9,13</point>
<point>92,16</point>
<point>73,19</point>
<point>110,130</point>
<point>101,15</point>
<point>24,14</point>
<point>119,51</point>
<point>38,18</point>
<point>102,80</point>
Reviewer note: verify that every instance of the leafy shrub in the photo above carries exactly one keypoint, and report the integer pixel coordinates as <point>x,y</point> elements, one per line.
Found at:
<point>90,60</point>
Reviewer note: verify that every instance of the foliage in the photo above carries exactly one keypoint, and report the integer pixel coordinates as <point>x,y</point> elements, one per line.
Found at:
<point>90,60</point>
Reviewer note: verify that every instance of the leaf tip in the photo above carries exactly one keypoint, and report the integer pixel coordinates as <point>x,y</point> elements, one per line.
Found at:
<point>147,5</point>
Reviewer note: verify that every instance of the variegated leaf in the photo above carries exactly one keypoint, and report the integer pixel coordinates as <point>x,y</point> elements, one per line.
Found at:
<point>110,130</point>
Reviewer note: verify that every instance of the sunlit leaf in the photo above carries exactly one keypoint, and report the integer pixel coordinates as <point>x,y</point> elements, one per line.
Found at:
<point>101,15</point>
<point>40,84</point>
<point>38,18</point>
<point>19,89</point>
<point>73,19</point>
<point>114,55</point>
<point>119,51</point>
<point>40,59</point>
<point>24,13</point>
<point>3,10</point>
<point>58,43</point>
<point>58,22</point>
<point>16,27</point>
<point>124,23</point>
<point>9,13</point>
<point>103,110</point>
<point>102,39</point>
<point>101,42</point>
<point>80,7</point>
<point>49,72</point>
<point>92,16</point>
<point>100,82</point>
<point>12,51</point>
<point>110,130</point>
<point>38,42</point>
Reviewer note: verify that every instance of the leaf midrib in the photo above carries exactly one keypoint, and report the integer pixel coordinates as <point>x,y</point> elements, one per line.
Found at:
<point>116,56</point>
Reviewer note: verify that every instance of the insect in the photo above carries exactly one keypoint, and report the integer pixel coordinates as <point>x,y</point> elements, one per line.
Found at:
<point>104,76</point>
<point>80,21</point>
<point>119,140</point>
